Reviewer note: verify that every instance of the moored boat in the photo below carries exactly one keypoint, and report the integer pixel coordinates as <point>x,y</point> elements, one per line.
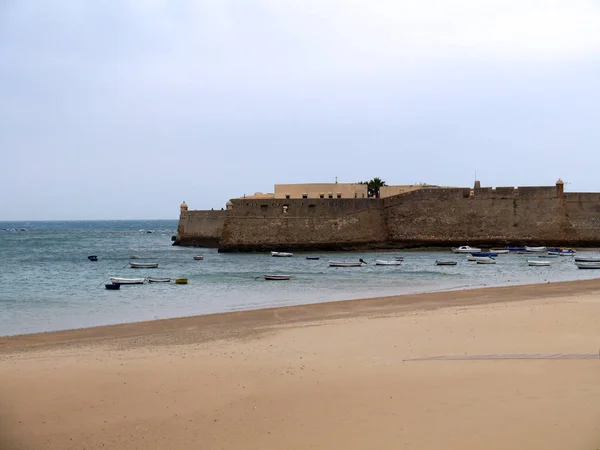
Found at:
<point>499,251</point>
<point>538,263</point>
<point>535,249</point>
<point>277,277</point>
<point>478,258</point>
<point>159,280</point>
<point>483,254</point>
<point>181,281</point>
<point>486,261</point>
<point>143,265</point>
<point>313,258</point>
<point>93,258</point>
<point>381,262</point>
<point>117,280</point>
<point>587,265</point>
<point>112,286</point>
<point>465,249</point>
<point>445,263</point>
<point>198,257</point>
<point>282,254</point>
<point>345,263</point>
<point>514,249</point>
<point>587,259</point>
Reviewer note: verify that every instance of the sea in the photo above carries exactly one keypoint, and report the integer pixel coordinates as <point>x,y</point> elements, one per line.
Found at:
<point>47,282</point>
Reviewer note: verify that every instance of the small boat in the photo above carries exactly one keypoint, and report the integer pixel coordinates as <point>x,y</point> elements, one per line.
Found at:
<point>479,258</point>
<point>134,257</point>
<point>482,254</point>
<point>465,249</point>
<point>399,258</point>
<point>566,253</point>
<point>116,280</point>
<point>594,259</point>
<point>538,263</point>
<point>313,258</point>
<point>181,281</point>
<point>159,280</point>
<point>93,258</point>
<point>277,277</point>
<point>445,263</point>
<point>112,286</point>
<point>499,251</point>
<point>143,265</point>
<point>281,254</point>
<point>486,261</point>
<point>198,257</point>
<point>588,265</point>
<point>381,262</point>
<point>515,249</point>
<point>346,264</point>
<point>535,249</point>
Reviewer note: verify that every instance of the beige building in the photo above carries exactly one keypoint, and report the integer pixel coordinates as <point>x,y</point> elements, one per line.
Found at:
<point>321,190</point>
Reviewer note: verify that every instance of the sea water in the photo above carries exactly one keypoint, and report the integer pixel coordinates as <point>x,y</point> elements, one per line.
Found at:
<point>47,282</point>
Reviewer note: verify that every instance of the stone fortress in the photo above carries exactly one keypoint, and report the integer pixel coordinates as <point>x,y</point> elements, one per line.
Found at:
<point>340,216</point>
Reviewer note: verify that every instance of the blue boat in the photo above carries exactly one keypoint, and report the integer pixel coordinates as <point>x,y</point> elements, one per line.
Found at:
<point>93,258</point>
<point>484,254</point>
<point>515,249</point>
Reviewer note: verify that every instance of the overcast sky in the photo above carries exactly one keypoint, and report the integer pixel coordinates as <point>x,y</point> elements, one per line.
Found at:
<point>123,108</point>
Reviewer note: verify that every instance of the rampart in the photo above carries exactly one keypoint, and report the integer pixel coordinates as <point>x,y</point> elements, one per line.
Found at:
<point>541,215</point>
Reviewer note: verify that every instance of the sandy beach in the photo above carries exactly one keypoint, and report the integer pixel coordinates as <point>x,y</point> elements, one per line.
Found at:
<point>517,367</point>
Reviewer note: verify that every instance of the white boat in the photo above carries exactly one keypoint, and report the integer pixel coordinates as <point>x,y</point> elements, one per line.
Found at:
<point>466,249</point>
<point>159,280</point>
<point>445,263</point>
<point>116,280</point>
<point>588,265</point>
<point>381,262</point>
<point>595,259</point>
<point>479,258</point>
<point>486,261</point>
<point>538,263</point>
<point>277,277</point>
<point>143,265</point>
<point>499,251</point>
<point>281,254</point>
<point>345,264</point>
<point>535,249</point>
<point>198,257</point>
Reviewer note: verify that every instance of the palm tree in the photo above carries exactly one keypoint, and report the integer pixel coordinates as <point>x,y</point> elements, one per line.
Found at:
<point>374,186</point>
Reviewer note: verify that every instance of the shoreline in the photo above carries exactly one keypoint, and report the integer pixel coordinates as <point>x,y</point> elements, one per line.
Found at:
<point>240,324</point>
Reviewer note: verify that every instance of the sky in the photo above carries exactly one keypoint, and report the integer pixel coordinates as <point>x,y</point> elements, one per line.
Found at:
<point>122,109</point>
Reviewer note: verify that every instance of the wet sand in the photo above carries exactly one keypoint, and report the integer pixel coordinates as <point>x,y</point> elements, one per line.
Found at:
<point>323,376</point>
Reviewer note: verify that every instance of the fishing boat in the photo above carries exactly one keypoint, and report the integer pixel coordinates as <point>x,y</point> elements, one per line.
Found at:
<point>93,258</point>
<point>594,259</point>
<point>445,263</point>
<point>486,261</point>
<point>483,254</point>
<point>478,258</point>
<point>500,251</point>
<point>277,277</point>
<point>538,263</point>
<point>535,249</point>
<point>112,286</point>
<point>282,254</point>
<point>159,280</point>
<point>181,281</point>
<point>465,249</point>
<point>117,280</point>
<point>198,257</point>
<point>588,265</point>
<point>313,258</point>
<point>346,264</point>
<point>143,265</point>
<point>381,262</point>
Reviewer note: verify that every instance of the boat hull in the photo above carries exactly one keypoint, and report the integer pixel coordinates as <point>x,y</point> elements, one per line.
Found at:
<point>143,265</point>
<point>159,280</point>
<point>538,263</point>
<point>276,277</point>
<point>588,265</point>
<point>116,280</point>
<point>198,258</point>
<point>181,281</point>
<point>282,254</point>
<point>112,286</point>
<point>344,264</point>
<point>466,249</point>
<point>445,263</point>
<point>380,262</point>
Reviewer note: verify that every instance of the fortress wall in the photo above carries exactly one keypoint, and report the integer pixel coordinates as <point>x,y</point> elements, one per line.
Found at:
<point>200,228</point>
<point>429,217</point>
<point>583,214</point>
<point>307,224</point>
